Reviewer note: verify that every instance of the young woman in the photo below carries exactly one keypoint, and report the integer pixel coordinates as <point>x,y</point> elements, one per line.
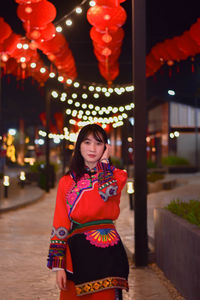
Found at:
<point>86,250</point>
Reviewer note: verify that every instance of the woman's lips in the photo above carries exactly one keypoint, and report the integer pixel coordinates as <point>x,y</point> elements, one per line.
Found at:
<point>91,155</point>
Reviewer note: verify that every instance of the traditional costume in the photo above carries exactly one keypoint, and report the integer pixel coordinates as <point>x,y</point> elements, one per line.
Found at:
<point>84,240</point>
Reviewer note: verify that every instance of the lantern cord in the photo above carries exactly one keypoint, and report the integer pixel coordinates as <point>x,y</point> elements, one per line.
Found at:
<point>67,15</point>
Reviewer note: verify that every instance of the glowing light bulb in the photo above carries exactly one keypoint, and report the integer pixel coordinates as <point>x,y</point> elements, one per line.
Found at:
<point>91,88</point>
<point>68,22</point>
<point>22,59</point>
<point>92,3</point>
<point>52,75</point>
<point>59,29</point>
<point>19,46</point>
<point>78,10</point>
<point>33,65</point>
<point>42,70</point>
<point>76,84</point>
<point>69,81</point>
<point>54,94</point>
<point>70,101</point>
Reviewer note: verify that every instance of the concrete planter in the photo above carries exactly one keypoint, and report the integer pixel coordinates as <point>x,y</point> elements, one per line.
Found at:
<point>159,185</point>
<point>177,250</point>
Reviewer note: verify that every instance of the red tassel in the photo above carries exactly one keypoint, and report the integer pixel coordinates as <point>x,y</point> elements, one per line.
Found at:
<point>193,68</point>
<point>177,69</point>
<point>170,72</point>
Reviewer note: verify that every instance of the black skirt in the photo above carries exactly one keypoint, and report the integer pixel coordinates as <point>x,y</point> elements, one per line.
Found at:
<point>99,260</point>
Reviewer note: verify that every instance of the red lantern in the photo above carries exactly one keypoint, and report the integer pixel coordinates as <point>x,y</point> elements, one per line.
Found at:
<point>27,1</point>
<point>106,17</point>
<point>59,121</point>
<point>10,44</point>
<point>195,32</point>
<point>107,38</point>
<point>54,45</point>
<point>42,34</point>
<point>152,63</point>
<point>38,14</point>
<point>186,44</point>
<point>109,73</point>
<point>111,3</point>
<point>5,30</point>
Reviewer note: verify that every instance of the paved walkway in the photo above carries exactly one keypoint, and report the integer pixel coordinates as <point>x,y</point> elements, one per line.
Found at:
<point>25,240</point>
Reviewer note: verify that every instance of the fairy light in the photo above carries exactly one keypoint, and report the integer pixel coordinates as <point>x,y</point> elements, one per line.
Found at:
<point>22,59</point>
<point>25,46</point>
<point>92,3</point>
<point>74,96</point>
<point>98,89</point>
<point>54,94</point>
<point>107,94</point>
<point>121,108</point>
<point>69,81</point>
<point>91,106</point>
<point>74,113</point>
<point>52,75</point>
<point>84,105</point>
<point>76,84</point>
<point>60,78</point>
<point>59,29</point>
<point>68,22</point>
<point>33,65</point>
<point>42,70</point>
<point>84,96</point>
<point>70,101</point>
<point>78,10</point>
<point>68,111</point>
<point>19,46</point>
<point>77,104</point>
<point>91,88</point>
<point>96,95</point>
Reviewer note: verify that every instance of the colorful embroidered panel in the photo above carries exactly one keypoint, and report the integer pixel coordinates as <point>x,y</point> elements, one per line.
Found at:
<point>56,257</point>
<point>61,233</point>
<point>102,284</point>
<point>84,184</point>
<point>102,237</point>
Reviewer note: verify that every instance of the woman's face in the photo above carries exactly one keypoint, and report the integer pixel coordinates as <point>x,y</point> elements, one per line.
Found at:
<point>92,150</point>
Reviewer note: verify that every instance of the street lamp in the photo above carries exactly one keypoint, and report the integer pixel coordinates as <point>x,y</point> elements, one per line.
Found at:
<point>22,178</point>
<point>130,191</point>
<point>6,183</point>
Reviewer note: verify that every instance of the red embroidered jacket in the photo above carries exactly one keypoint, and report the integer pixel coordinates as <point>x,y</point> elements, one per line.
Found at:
<point>93,197</point>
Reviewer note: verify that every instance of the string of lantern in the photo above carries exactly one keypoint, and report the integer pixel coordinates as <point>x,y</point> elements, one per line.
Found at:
<point>174,50</point>
<point>107,18</point>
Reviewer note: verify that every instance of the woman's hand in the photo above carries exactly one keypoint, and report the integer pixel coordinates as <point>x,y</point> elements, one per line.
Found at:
<point>106,153</point>
<point>61,279</point>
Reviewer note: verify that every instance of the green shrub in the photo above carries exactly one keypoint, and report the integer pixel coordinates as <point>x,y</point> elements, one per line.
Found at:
<point>152,177</point>
<point>174,161</point>
<point>187,210</point>
<point>117,162</point>
<point>151,164</point>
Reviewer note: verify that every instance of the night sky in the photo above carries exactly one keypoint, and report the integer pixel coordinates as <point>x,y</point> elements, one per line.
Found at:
<point>165,19</point>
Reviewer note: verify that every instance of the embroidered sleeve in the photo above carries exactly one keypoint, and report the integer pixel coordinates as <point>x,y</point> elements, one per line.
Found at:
<point>107,184</point>
<point>61,226</point>
<point>110,180</point>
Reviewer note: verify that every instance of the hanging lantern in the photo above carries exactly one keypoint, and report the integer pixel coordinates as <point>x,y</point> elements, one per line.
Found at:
<point>27,1</point>
<point>111,3</point>
<point>107,37</point>
<point>5,30</point>
<point>10,44</point>
<point>106,17</point>
<point>38,14</point>
<point>43,34</point>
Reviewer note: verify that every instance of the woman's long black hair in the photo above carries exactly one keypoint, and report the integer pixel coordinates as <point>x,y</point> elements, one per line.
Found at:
<point>77,162</point>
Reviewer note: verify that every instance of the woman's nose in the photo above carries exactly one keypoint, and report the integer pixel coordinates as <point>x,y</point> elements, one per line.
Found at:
<point>92,147</point>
